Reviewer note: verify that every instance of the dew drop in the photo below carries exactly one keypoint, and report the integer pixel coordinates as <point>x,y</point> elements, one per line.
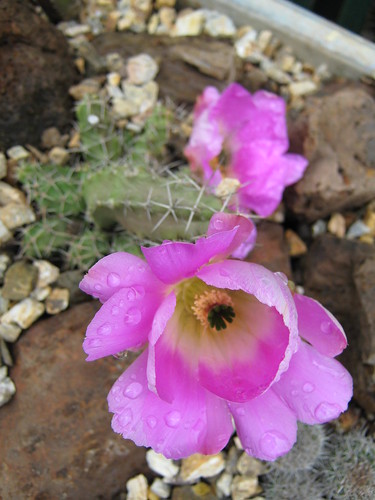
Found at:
<point>151,421</point>
<point>132,294</point>
<point>224,273</point>
<point>240,412</point>
<point>133,316</point>
<point>105,329</point>
<point>326,411</point>
<point>141,268</point>
<point>115,310</point>
<point>94,342</point>
<point>218,224</point>
<point>125,417</point>
<point>113,279</point>
<point>308,387</point>
<point>294,393</point>
<point>274,443</point>
<point>133,376</point>
<point>93,119</point>
<point>121,303</point>
<point>325,327</point>
<point>133,390</point>
<point>172,419</point>
<point>97,287</point>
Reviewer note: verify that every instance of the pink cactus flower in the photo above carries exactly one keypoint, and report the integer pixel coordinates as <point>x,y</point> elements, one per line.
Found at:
<point>220,338</point>
<point>244,137</point>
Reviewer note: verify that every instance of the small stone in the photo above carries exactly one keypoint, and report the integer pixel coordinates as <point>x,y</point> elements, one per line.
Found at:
<point>246,44</point>
<point>160,488</point>
<point>87,86</point>
<point>231,460</point>
<point>112,19</point>
<point>367,238</point>
<point>189,24</point>
<point>319,227</point>
<point>123,108</point>
<point>4,263</point>
<point>223,485</point>
<point>164,3</point>
<point>4,303</point>
<point>40,294</point>
<point>337,225</point>
<point>9,194</point>
<point>15,215</point>
<point>359,228</point>
<point>18,153</point>
<point>71,280</point>
<point>114,79</point>
<point>19,280</point>
<point>126,20</point>
<point>244,487</point>
<point>137,488</point>
<point>153,24</point>
<point>238,443</point>
<point>24,313</point>
<point>161,465</point>
<point>369,220</point>
<point>250,466</point>
<point>296,245</point>
<point>5,354</point>
<point>201,489</point>
<point>196,466</point>
<point>47,273</point>
<point>75,140</point>
<point>57,300</point>
<point>303,88</point>
<point>277,75</point>
<point>264,39</point>
<point>167,17</point>
<point>5,234</point>
<point>59,156</point>
<point>10,332</point>
<point>51,137</point>
<point>7,387</point>
<point>3,165</point>
<point>141,69</point>
<point>76,30</point>
<point>80,64</point>
<point>142,97</point>
<point>287,61</point>
<point>219,25</point>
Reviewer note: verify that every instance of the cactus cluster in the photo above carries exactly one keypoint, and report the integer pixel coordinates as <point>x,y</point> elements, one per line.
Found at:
<point>116,195</point>
<point>333,467</point>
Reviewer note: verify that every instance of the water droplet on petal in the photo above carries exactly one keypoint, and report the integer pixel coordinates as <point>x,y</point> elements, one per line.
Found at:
<point>133,376</point>
<point>133,316</point>
<point>274,443</point>
<point>224,273</point>
<point>121,303</point>
<point>218,224</point>
<point>294,393</point>
<point>327,411</point>
<point>125,417</point>
<point>240,411</point>
<point>325,326</point>
<point>133,390</point>
<point>113,279</point>
<point>94,343</point>
<point>308,387</point>
<point>131,295</point>
<point>141,268</point>
<point>105,329</point>
<point>115,310</point>
<point>140,292</point>
<point>172,419</point>
<point>151,421</point>
<point>97,287</point>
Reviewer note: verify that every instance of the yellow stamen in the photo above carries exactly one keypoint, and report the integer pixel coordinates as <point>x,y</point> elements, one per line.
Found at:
<point>208,300</point>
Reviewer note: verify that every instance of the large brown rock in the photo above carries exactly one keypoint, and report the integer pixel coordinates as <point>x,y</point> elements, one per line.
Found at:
<point>55,435</point>
<point>36,71</point>
<point>341,275</point>
<point>336,133</point>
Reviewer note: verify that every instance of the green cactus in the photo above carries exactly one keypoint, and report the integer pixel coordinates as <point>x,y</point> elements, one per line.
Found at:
<point>148,205</point>
<point>55,189</point>
<point>87,248</point>
<point>45,238</point>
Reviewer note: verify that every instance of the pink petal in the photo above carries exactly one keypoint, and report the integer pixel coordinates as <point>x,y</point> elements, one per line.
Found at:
<point>267,428</point>
<point>316,387</point>
<point>245,238</point>
<point>242,361</point>
<point>116,271</point>
<point>124,321</point>
<point>196,422</point>
<point>173,261</point>
<point>234,108</point>
<point>319,327</point>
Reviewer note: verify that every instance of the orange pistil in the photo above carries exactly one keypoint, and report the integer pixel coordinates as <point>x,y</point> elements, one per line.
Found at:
<point>212,308</point>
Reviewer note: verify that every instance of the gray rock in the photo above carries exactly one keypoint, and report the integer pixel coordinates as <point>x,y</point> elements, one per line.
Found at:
<point>25,313</point>
<point>18,153</point>
<point>9,194</point>
<point>10,332</point>
<point>57,300</point>
<point>357,229</point>
<point>160,488</point>
<point>161,465</point>
<point>137,488</point>
<point>47,273</point>
<point>141,69</point>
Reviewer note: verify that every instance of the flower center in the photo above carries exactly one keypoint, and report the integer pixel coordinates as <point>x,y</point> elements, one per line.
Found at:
<point>213,308</point>
<point>221,161</point>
